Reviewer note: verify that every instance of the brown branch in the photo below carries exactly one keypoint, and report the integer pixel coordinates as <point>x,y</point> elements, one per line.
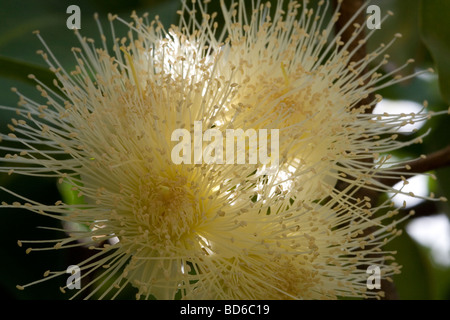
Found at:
<point>433,161</point>
<point>347,12</point>
<point>423,209</point>
<point>390,291</point>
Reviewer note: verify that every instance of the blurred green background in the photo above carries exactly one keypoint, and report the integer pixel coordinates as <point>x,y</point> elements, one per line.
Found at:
<point>426,31</point>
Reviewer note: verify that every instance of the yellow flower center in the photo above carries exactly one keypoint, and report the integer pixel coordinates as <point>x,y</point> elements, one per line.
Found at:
<point>167,208</point>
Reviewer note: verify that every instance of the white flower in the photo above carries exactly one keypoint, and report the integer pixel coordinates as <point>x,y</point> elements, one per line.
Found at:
<point>216,231</point>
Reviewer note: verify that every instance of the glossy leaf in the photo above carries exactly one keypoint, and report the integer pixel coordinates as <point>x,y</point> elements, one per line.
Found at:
<point>19,70</point>
<point>435,26</point>
<point>414,281</point>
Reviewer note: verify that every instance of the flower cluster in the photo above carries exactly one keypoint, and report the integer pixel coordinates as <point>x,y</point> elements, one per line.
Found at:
<point>300,230</point>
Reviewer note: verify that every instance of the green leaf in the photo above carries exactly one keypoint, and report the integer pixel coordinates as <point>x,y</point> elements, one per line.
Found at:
<point>19,224</point>
<point>435,26</point>
<point>414,281</point>
<point>405,22</point>
<point>19,70</point>
<point>69,195</point>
